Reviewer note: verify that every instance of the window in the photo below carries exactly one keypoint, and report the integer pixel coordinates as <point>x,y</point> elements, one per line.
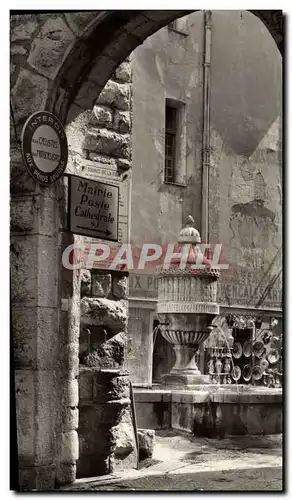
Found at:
<point>170,144</point>
<point>175,142</point>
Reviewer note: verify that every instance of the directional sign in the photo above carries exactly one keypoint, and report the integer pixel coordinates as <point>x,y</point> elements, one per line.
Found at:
<point>93,208</point>
<point>109,174</point>
<point>44,147</point>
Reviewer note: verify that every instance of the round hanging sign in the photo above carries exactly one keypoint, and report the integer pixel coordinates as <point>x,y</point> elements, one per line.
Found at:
<point>44,147</point>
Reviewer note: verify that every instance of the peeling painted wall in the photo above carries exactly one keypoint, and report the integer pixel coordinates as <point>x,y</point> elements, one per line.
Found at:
<point>245,174</point>
<point>167,65</point>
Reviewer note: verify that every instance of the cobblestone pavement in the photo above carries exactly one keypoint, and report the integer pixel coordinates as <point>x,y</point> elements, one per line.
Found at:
<point>263,479</point>
<point>182,462</point>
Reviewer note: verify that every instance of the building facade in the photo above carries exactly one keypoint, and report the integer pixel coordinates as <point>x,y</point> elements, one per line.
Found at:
<point>206,139</point>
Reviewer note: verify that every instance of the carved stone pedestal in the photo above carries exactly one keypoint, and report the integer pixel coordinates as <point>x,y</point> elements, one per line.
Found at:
<point>185,370</point>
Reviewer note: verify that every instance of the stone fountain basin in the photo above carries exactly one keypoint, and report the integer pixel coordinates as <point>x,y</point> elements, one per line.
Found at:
<point>211,411</point>
<point>186,322</point>
<point>185,329</point>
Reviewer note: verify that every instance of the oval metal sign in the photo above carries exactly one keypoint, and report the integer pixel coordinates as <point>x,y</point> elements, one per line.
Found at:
<point>44,147</point>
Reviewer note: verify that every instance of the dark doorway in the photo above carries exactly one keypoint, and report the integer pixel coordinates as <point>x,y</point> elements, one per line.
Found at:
<point>163,355</point>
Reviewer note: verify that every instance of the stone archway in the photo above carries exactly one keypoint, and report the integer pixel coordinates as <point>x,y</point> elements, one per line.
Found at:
<point>51,57</point>
<point>104,38</point>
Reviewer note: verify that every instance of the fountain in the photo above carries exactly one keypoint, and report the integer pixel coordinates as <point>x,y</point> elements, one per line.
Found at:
<point>187,305</point>
<point>215,403</point>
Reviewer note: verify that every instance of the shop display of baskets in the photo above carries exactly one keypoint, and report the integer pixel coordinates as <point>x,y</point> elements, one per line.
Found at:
<point>264,364</point>
<point>258,349</point>
<point>246,373</point>
<point>273,356</point>
<point>237,350</point>
<point>256,372</point>
<point>256,360</point>
<point>253,360</point>
<point>236,373</point>
<point>247,348</point>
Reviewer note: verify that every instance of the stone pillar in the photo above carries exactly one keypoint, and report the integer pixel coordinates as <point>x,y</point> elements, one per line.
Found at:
<point>140,344</point>
<point>105,424</point>
<point>35,251</point>
<point>104,393</point>
<point>98,136</point>
<point>67,428</point>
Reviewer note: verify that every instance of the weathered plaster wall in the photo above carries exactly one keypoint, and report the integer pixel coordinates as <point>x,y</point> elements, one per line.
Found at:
<point>246,169</point>
<point>168,65</point>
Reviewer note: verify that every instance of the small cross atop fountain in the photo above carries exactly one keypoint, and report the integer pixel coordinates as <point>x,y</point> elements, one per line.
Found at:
<point>187,305</point>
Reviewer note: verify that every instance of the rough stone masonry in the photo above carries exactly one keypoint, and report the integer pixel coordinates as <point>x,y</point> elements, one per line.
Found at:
<point>106,432</point>
<point>106,139</point>
<point>43,296</point>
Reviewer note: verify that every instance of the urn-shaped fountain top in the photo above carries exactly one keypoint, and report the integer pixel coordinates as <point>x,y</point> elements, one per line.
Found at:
<point>188,284</point>
<point>188,234</point>
<point>188,257</point>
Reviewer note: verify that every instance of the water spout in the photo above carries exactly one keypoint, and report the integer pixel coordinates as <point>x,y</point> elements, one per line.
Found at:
<point>155,331</point>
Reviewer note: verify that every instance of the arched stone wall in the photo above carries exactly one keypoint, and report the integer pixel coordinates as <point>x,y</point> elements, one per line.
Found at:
<point>51,56</point>
<point>60,54</point>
